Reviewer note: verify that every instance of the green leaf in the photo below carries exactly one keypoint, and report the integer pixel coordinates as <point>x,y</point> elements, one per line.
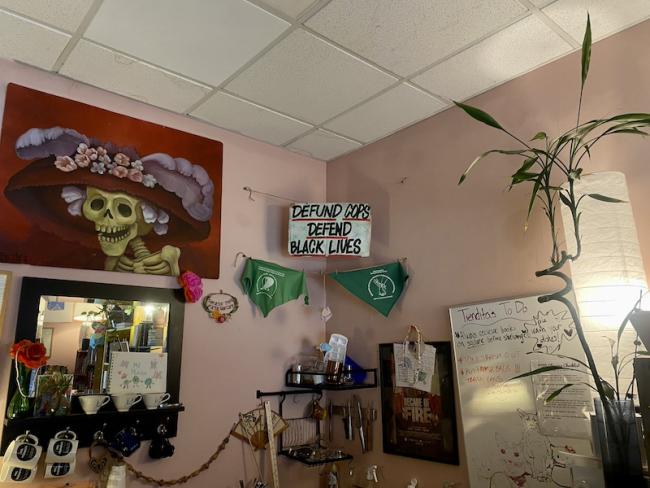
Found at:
<point>603,198</point>
<point>610,392</point>
<point>572,359</point>
<point>629,131</point>
<point>543,369</point>
<point>516,152</point>
<point>480,115</point>
<point>538,136</point>
<point>565,199</point>
<point>532,200</point>
<point>586,51</point>
<point>552,396</point>
<point>527,165</point>
<point>520,177</point>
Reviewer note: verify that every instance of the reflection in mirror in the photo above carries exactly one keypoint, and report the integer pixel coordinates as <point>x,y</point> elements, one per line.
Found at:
<point>81,333</point>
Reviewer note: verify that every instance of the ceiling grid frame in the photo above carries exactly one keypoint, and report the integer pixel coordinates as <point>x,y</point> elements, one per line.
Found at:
<point>293,24</point>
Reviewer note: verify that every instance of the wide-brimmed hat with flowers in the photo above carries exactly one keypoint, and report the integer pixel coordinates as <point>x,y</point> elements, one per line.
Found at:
<point>178,195</point>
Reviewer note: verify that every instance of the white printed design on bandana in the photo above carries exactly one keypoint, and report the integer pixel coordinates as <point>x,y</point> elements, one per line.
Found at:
<point>381,286</point>
<point>267,285</point>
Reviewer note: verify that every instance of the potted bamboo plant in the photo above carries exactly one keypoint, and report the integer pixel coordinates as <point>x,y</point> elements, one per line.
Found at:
<point>552,166</point>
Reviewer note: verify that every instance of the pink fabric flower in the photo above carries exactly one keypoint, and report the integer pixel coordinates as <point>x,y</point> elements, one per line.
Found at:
<point>135,175</point>
<point>119,171</point>
<point>122,159</point>
<point>65,164</point>
<point>82,160</point>
<point>192,286</point>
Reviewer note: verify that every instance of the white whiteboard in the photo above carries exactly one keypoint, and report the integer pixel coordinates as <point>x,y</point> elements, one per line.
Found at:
<point>512,437</point>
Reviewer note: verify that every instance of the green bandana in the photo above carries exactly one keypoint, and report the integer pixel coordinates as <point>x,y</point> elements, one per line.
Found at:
<point>269,285</point>
<point>380,286</point>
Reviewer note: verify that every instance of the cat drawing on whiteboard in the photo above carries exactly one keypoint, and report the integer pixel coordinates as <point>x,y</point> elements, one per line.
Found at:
<point>510,468</point>
<point>537,448</point>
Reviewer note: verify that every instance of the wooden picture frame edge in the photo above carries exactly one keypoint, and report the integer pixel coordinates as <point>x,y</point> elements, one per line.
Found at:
<point>4,298</point>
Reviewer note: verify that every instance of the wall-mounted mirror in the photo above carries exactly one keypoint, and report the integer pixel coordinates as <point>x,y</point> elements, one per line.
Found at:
<point>81,333</point>
<point>104,339</point>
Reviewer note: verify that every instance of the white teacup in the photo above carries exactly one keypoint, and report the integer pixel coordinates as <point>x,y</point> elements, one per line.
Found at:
<point>154,400</point>
<point>90,404</point>
<point>125,401</point>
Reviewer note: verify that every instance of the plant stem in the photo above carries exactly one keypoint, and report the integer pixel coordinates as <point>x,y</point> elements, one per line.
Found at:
<point>560,296</point>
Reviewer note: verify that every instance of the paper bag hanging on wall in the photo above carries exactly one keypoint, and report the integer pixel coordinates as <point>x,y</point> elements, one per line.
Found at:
<point>379,286</point>
<point>269,285</point>
<point>415,362</point>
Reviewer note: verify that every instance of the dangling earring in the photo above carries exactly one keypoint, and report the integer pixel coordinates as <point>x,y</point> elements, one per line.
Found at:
<point>160,446</point>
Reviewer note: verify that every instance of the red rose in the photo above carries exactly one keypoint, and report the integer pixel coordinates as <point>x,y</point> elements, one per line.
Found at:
<point>31,354</point>
<point>18,346</point>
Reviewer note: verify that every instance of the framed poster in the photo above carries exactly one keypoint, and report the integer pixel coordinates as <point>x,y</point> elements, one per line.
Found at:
<point>105,191</point>
<point>415,423</point>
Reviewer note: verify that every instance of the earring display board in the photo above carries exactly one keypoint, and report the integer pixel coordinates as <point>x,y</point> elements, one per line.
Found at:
<point>512,437</point>
<point>416,423</point>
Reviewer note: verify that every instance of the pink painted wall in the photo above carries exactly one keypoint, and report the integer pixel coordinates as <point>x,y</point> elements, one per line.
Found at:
<point>467,244</point>
<point>223,365</point>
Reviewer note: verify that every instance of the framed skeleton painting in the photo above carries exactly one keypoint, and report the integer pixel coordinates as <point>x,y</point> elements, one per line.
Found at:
<point>83,187</point>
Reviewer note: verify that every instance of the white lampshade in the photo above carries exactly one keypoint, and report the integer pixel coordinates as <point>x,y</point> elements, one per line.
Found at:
<point>609,276</point>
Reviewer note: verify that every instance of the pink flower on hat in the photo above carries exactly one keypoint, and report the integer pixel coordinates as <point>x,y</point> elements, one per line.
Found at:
<point>65,164</point>
<point>122,159</point>
<point>119,171</point>
<point>90,152</point>
<point>102,155</point>
<point>82,160</point>
<point>135,175</point>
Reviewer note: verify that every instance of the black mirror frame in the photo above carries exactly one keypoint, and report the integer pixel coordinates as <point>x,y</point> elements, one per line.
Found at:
<point>111,421</point>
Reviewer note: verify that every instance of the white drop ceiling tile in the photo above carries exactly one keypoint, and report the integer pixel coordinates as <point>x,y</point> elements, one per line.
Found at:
<point>204,40</point>
<point>389,112</point>
<point>309,79</point>
<point>64,14</point>
<point>541,3</point>
<point>292,8</point>
<point>29,42</point>
<point>505,55</point>
<point>115,72</point>
<point>407,35</point>
<point>607,16</point>
<point>323,145</point>
<point>249,119</point>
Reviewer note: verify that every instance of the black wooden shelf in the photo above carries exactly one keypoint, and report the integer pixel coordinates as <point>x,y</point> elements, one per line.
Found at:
<point>85,426</point>
<point>298,455</point>
<point>308,388</point>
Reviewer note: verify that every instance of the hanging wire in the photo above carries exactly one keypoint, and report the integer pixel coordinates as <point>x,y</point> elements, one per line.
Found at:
<point>257,192</point>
